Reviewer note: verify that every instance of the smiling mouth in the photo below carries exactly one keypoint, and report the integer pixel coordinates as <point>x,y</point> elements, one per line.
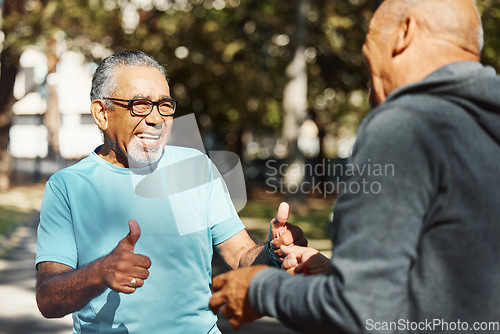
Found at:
<point>149,136</point>
<point>149,139</point>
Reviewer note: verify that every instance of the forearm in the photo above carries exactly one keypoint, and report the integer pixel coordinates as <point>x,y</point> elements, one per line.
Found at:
<point>60,294</point>
<point>258,255</point>
<point>253,255</point>
<point>309,304</point>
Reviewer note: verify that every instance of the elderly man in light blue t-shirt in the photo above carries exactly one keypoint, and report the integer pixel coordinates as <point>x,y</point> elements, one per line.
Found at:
<point>126,235</point>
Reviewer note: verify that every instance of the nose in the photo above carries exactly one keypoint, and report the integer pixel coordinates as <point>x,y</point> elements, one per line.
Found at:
<point>154,118</point>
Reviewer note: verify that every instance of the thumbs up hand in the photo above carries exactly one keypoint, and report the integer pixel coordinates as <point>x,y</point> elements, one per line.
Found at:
<point>122,269</point>
<point>278,225</point>
<point>283,233</point>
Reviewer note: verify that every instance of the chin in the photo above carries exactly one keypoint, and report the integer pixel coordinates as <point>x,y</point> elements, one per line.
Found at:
<point>140,156</point>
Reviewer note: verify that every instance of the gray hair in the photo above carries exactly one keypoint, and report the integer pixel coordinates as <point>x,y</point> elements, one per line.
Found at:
<point>104,84</point>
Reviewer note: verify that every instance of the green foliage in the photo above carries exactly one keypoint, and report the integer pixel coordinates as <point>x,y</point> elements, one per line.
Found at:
<point>82,23</point>
<point>10,218</point>
<point>229,63</point>
<point>490,13</point>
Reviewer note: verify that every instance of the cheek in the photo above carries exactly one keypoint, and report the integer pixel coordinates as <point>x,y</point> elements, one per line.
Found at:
<point>168,128</point>
<point>124,128</point>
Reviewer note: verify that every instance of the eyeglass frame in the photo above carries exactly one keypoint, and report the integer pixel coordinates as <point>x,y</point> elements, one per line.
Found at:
<point>153,104</point>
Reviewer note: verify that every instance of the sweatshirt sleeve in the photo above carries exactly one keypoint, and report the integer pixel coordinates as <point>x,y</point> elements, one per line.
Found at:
<point>390,181</point>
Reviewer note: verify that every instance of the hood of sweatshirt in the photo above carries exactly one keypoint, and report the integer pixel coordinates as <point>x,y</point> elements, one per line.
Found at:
<point>472,86</point>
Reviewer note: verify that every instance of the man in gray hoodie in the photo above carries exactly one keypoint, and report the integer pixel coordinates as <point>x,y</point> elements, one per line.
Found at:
<point>419,251</point>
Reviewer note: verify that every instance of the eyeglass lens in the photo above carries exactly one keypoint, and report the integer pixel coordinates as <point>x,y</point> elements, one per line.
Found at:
<point>143,107</point>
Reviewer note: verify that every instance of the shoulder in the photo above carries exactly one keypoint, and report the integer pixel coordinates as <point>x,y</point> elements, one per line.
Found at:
<point>177,153</point>
<point>398,132</point>
<point>397,123</point>
<point>67,173</point>
<point>184,159</point>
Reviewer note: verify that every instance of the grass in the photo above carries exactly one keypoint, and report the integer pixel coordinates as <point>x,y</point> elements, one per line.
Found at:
<point>10,218</point>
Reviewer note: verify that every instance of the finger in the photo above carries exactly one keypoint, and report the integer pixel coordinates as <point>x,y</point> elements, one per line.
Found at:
<point>275,230</point>
<point>138,282</point>
<point>134,233</point>
<point>127,286</point>
<point>127,289</point>
<point>140,273</point>
<point>282,216</point>
<point>218,282</point>
<point>216,301</point>
<point>226,311</point>
<point>300,268</point>
<point>142,261</point>
<point>292,235</point>
<point>285,239</point>
<point>235,323</point>
<point>290,261</point>
<point>298,251</point>
<point>287,250</point>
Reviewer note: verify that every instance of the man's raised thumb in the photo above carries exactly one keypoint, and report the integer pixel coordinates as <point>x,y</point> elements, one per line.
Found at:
<point>133,235</point>
<point>282,216</point>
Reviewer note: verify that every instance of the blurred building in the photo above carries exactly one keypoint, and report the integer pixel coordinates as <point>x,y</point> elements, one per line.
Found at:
<point>77,134</point>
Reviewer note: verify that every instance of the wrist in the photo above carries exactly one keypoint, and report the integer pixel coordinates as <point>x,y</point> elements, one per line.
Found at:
<point>98,272</point>
<point>269,249</point>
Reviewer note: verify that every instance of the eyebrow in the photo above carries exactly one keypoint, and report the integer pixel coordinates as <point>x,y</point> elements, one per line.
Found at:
<point>140,96</point>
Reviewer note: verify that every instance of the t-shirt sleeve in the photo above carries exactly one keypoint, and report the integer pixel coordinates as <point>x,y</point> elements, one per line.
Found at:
<point>56,239</point>
<point>223,219</point>
<point>392,180</point>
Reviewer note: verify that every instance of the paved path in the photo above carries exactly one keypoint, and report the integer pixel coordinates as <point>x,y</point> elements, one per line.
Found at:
<point>18,310</point>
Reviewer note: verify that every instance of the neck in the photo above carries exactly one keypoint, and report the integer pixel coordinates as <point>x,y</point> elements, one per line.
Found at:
<point>108,152</point>
<point>429,58</point>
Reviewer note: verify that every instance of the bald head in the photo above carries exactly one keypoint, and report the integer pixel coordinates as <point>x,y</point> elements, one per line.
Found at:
<point>455,21</point>
<point>409,39</point>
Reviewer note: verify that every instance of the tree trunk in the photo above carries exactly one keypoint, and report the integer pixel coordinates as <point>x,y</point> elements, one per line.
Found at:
<point>52,117</point>
<point>9,67</point>
<point>295,106</point>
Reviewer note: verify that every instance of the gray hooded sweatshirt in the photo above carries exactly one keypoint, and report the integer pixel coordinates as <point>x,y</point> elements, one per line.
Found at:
<point>417,249</point>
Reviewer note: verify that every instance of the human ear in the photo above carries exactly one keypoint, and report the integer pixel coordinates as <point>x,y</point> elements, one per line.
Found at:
<point>99,113</point>
<point>405,34</point>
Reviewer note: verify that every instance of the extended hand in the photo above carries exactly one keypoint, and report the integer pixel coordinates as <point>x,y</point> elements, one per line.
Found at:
<point>283,233</point>
<point>231,295</point>
<point>122,265</point>
<point>306,260</point>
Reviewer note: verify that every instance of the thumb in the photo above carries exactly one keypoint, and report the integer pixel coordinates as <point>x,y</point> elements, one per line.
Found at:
<point>282,216</point>
<point>278,224</point>
<point>134,234</point>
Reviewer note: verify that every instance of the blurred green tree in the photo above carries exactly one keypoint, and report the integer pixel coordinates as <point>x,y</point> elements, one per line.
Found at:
<point>490,13</point>
<point>39,23</point>
<point>226,59</point>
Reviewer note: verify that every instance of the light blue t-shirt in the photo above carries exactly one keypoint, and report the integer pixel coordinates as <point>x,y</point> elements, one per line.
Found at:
<point>183,209</point>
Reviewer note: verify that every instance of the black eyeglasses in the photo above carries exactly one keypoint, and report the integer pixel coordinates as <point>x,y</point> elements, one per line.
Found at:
<point>143,107</point>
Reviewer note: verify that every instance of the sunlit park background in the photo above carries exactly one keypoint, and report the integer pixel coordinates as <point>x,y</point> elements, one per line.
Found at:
<point>278,82</point>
